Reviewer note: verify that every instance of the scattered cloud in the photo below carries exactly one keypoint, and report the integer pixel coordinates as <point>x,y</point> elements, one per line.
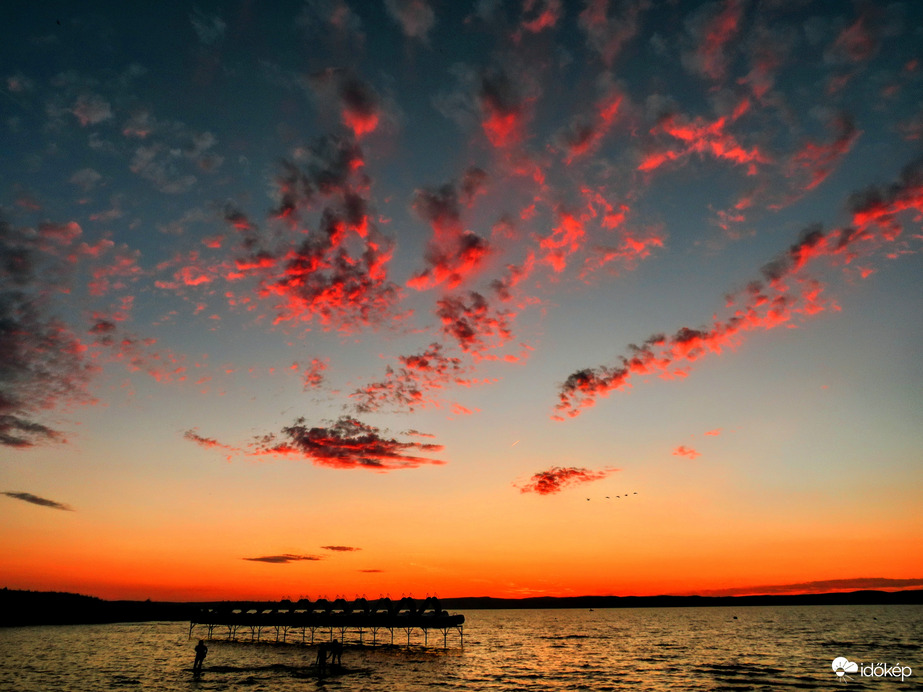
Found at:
<point>42,360</point>
<point>681,137</point>
<point>337,271</point>
<point>584,134</point>
<point>414,383</point>
<point>340,548</point>
<point>609,26</point>
<point>347,444</point>
<point>210,28</point>
<point>320,17</point>
<point>415,17</point>
<point>86,179</point>
<point>502,107</point>
<point>207,442</point>
<point>455,252</point>
<point>814,161</point>
<point>821,586</point>
<point>474,323</point>
<point>40,501</point>
<point>557,478</point>
<point>538,15</point>
<point>356,103</point>
<point>856,43</point>
<point>783,294</point>
<point>711,31</point>
<point>313,374</point>
<point>91,109</point>
<point>284,559</point>
<point>684,451</point>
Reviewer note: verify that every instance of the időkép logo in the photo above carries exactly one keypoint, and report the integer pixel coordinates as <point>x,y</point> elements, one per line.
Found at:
<point>842,666</point>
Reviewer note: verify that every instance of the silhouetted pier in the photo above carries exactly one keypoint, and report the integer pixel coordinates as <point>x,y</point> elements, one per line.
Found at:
<point>352,622</point>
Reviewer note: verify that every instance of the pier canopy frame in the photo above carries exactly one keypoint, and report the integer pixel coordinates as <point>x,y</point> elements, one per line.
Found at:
<point>305,622</point>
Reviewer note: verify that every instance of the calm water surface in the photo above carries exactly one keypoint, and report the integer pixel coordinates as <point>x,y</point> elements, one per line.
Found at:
<point>656,649</point>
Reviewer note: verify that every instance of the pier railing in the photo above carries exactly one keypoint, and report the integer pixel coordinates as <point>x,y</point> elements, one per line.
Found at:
<point>358,621</point>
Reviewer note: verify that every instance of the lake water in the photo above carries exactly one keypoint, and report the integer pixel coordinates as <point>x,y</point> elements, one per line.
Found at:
<point>656,649</point>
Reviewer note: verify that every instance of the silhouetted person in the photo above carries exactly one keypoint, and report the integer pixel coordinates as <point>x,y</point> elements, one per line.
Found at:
<point>336,653</point>
<point>200,652</point>
<point>322,658</point>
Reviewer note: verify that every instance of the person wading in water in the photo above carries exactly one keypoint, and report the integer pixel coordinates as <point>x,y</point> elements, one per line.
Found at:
<point>200,652</point>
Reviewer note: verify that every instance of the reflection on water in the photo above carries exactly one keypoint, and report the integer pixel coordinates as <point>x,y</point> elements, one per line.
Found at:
<point>656,649</point>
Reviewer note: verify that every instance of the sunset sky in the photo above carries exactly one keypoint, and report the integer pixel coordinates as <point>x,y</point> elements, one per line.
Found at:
<point>507,298</point>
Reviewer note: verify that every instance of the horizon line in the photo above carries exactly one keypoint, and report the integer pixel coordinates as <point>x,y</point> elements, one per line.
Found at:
<point>714,596</point>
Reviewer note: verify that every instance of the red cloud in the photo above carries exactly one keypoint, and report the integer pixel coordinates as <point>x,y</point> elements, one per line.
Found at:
<point>669,357</point>
<point>475,325</point>
<point>555,479</point>
<point>605,220</point>
<point>877,209</point>
<point>207,442</point>
<point>44,363</point>
<point>684,451</point>
<point>584,135</point>
<point>338,273</point>
<point>454,253</point>
<point>137,354</point>
<point>408,387</point>
<point>704,138</point>
<point>118,269</point>
<point>539,15</point>
<point>786,293</point>
<point>360,107</point>
<point>358,104</point>
<point>60,233</point>
<point>503,112</point>
<point>856,43</point>
<point>314,373</point>
<point>347,444</point>
<point>713,34</point>
<point>606,34</point>
<point>513,275</point>
<point>631,248</point>
<point>566,238</point>
<point>819,160</point>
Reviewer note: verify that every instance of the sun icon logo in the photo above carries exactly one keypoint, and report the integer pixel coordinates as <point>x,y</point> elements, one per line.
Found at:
<point>842,665</point>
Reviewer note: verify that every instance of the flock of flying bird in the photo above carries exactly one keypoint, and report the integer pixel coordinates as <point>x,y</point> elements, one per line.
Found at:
<point>616,497</point>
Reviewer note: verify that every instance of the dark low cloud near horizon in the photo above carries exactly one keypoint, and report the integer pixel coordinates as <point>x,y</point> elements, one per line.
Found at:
<point>822,586</point>
<point>284,559</point>
<point>340,548</point>
<point>40,501</point>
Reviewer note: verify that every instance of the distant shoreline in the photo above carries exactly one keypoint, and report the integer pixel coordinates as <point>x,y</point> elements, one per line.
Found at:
<point>19,608</point>
<point>867,597</point>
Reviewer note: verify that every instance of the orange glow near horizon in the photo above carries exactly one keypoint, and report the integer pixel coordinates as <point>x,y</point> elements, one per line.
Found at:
<point>206,559</point>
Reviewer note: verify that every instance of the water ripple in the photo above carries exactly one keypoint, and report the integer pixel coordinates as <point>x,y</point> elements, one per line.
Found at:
<point>641,650</point>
